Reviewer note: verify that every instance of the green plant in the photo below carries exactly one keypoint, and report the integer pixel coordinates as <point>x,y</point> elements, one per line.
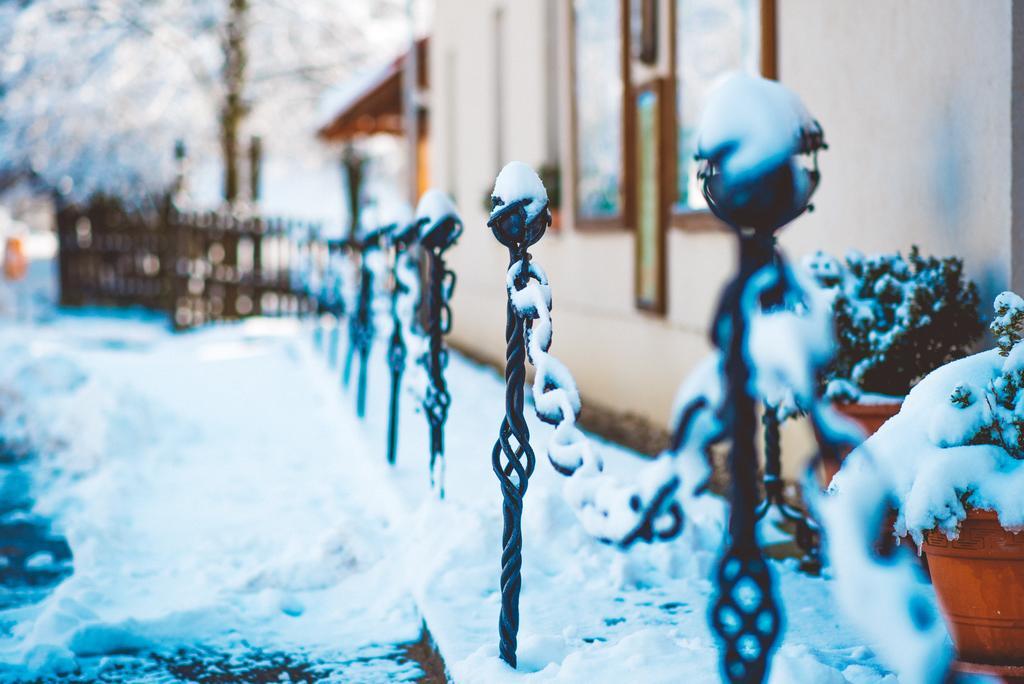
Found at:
<point>897,318</point>
<point>991,411</point>
<point>1008,321</point>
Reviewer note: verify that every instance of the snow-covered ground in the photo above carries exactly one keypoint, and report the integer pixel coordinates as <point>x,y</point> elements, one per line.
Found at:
<point>225,509</point>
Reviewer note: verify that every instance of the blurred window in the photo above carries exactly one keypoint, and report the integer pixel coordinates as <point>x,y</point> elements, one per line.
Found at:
<point>599,92</point>
<point>712,37</point>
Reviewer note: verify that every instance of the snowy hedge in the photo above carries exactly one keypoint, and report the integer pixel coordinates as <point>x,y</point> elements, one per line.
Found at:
<point>958,441</point>
<point>897,318</point>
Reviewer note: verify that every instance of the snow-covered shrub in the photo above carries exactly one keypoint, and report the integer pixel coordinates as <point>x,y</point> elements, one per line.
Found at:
<point>897,318</point>
<point>992,413</point>
<point>1007,322</point>
<point>958,440</point>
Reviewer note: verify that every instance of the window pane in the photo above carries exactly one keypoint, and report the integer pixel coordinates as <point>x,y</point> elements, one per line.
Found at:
<point>713,37</point>
<point>598,64</point>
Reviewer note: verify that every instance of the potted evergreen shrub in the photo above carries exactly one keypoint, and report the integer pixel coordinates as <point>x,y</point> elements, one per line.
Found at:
<point>956,450</point>
<point>896,319</point>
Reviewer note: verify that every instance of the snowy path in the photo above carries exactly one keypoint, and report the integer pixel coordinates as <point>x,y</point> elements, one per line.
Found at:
<point>206,501</point>
<point>219,497</point>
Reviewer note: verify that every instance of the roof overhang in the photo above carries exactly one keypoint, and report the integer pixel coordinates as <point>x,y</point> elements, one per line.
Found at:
<point>375,105</point>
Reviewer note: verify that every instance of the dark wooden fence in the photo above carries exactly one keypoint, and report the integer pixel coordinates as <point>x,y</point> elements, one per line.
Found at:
<point>195,266</point>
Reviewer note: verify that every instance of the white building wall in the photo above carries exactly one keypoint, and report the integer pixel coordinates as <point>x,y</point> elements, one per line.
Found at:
<point>915,100</point>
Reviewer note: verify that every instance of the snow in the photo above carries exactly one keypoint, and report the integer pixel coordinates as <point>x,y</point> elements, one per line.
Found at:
<point>607,508</point>
<point>217,492</point>
<point>896,318</point>
<point>889,601</point>
<point>788,344</point>
<point>388,215</point>
<point>194,513</point>
<point>433,209</point>
<point>519,182</point>
<point>824,268</point>
<point>924,451</point>
<point>96,95</point>
<point>955,444</point>
<point>1007,320</point>
<point>750,125</point>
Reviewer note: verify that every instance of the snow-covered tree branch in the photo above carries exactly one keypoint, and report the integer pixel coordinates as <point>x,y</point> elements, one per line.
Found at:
<point>95,92</point>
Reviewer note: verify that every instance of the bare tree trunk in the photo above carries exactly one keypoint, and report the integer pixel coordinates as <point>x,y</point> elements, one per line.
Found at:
<point>234,106</point>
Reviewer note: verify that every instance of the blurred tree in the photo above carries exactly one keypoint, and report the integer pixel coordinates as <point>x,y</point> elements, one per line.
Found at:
<point>233,109</point>
<point>93,93</point>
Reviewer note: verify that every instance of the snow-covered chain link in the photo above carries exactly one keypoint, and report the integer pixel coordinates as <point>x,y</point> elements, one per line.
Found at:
<point>610,510</point>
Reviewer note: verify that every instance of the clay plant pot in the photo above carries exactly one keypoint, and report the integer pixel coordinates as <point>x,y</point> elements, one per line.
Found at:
<point>979,581</point>
<point>869,417</point>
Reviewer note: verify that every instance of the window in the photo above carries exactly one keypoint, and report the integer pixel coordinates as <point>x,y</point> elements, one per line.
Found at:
<point>712,37</point>
<point>599,95</point>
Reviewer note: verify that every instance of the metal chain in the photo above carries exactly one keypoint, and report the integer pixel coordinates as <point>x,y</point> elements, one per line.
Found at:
<point>807,535</point>
<point>653,512</point>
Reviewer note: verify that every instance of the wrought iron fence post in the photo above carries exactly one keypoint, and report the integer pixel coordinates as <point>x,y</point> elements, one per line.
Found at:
<point>402,238</point>
<point>745,614</point>
<point>396,362</point>
<point>364,330</point>
<point>336,289</point>
<point>440,227</point>
<point>517,231</point>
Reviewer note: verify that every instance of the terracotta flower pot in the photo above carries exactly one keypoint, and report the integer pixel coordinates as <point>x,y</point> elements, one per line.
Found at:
<point>979,581</point>
<point>869,417</point>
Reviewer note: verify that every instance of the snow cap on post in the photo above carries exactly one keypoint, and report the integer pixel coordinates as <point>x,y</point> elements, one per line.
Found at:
<point>371,227</point>
<point>750,136</point>
<point>520,206</point>
<point>394,215</point>
<point>397,220</point>
<point>438,220</point>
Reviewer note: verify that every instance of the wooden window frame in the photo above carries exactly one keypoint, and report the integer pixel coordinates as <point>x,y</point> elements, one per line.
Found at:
<point>619,221</point>
<point>664,92</point>
<point>702,220</point>
<point>695,220</point>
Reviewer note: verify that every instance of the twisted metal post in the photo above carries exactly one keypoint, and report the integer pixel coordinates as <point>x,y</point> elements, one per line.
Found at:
<point>365,332</point>
<point>439,228</point>
<point>396,363</point>
<point>512,458</point>
<point>745,613</point>
<point>336,305</point>
<point>352,319</point>
<point>320,266</point>
<point>401,241</point>
<point>513,444</point>
<point>362,329</point>
<point>437,399</point>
